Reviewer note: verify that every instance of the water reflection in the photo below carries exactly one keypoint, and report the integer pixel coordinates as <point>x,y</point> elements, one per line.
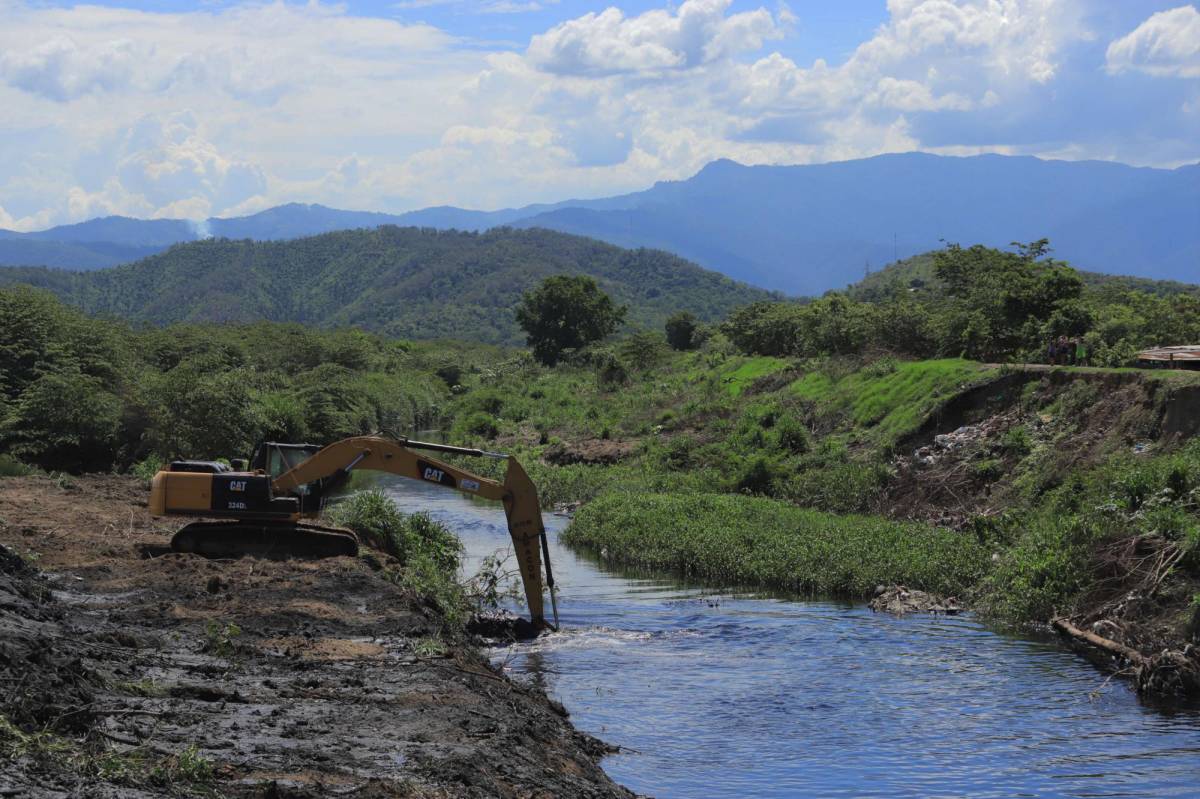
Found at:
<point>737,694</point>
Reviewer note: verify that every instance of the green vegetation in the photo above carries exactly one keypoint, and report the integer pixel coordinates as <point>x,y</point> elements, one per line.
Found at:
<point>185,773</point>
<point>775,448</point>
<point>917,275</point>
<point>683,331</point>
<point>374,517</point>
<point>82,394</point>
<point>221,639</point>
<point>566,312</point>
<point>427,553</point>
<point>1004,306</point>
<point>890,398</point>
<point>977,303</point>
<point>735,540</point>
<point>401,282</point>
<point>745,373</point>
<point>1070,549</point>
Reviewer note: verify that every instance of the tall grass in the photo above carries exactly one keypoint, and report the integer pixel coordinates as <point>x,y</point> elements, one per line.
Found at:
<point>428,551</point>
<point>738,540</point>
<point>378,522</point>
<point>893,399</point>
<point>745,371</point>
<point>1052,556</point>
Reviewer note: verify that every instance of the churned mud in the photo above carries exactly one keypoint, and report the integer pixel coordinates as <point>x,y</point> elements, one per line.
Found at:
<point>127,670</point>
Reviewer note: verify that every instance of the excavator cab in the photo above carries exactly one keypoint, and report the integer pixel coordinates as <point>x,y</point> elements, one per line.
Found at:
<point>275,458</point>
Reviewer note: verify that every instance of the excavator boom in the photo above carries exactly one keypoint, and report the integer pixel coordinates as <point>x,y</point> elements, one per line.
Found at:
<point>268,509</point>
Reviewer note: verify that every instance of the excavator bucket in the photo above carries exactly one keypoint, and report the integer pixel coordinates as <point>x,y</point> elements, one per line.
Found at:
<point>529,540</point>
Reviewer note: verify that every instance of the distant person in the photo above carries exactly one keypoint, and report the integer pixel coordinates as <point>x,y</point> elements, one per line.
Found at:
<point>1051,352</point>
<point>1063,350</point>
<point>1080,353</point>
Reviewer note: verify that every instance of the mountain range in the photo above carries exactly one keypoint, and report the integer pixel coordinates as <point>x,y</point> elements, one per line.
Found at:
<point>406,282</point>
<point>797,229</point>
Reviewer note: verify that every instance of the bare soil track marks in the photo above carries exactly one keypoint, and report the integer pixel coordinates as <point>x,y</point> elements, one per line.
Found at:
<point>292,678</point>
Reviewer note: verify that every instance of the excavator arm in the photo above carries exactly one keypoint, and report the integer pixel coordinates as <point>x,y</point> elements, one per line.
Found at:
<point>397,456</point>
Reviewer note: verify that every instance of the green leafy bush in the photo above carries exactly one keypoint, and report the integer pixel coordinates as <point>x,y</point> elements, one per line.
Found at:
<point>481,424</point>
<point>374,517</point>
<point>11,467</point>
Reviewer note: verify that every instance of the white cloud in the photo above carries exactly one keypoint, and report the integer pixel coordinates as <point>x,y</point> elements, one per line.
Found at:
<point>61,69</point>
<point>24,224</point>
<point>609,42</point>
<point>485,7</point>
<point>229,110</point>
<point>1166,44</point>
<point>171,167</point>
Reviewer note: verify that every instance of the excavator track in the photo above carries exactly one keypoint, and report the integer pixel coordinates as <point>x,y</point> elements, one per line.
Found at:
<point>277,540</point>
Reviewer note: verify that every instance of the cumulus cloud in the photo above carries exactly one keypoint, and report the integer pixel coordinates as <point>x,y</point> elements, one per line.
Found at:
<point>609,42</point>
<point>253,51</point>
<point>230,109</point>
<point>1166,44</point>
<point>61,69</point>
<point>171,167</point>
<point>479,6</point>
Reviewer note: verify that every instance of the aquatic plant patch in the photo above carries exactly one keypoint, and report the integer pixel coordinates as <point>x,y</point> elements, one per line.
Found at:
<point>740,540</point>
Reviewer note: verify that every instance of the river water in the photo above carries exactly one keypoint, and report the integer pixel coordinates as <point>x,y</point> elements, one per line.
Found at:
<point>733,695</point>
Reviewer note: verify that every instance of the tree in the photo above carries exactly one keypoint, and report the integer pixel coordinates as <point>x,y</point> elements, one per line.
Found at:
<point>566,312</point>
<point>681,331</point>
<point>64,420</point>
<point>1003,303</point>
<point>643,350</point>
<point>205,411</point>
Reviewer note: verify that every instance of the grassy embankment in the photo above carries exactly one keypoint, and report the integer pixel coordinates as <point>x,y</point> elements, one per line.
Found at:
<point>715,454</point>
<point>737,540</point>
<point>641,420</point>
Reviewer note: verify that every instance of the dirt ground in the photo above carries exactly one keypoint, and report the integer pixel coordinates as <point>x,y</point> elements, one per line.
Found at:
<point>962,466</point>
<point>131,671</point>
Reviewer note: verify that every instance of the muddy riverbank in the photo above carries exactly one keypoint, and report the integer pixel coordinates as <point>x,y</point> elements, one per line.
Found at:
<point>132,675</point>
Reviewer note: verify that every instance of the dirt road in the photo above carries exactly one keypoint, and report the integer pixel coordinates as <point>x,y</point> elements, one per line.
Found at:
<point>128,672</point>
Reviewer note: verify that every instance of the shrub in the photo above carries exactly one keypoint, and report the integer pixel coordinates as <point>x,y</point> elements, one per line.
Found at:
<point>611,372</point>
<point>988,470</point>
<point>760,476</point>
<point>642,350</point>
<point>146,469</point>
<point>1016,442</point>
<point>65,421</point>
<point>490,402</point>
<point>792,435</point>
<point>451,374</point>
<point>11,467</point>
<point>481,424</point>
<point>374,517</point>
<point>681,331</point>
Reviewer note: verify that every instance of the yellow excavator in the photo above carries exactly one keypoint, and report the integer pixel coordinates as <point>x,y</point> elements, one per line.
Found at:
<point>264,500</point>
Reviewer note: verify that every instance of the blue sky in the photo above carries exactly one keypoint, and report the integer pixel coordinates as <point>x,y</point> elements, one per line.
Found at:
<point>188,110</point>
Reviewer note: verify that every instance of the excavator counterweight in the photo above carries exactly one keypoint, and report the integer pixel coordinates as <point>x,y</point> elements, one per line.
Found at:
<point>261,506</point>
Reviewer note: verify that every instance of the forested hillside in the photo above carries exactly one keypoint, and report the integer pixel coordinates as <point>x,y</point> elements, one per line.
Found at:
<point>404,282</point>
<point>801,229</point>
<point>917,275</point>
<point>810,228</point>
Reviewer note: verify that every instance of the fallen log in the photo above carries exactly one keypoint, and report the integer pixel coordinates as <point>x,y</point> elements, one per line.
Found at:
<point>1129,653</point>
